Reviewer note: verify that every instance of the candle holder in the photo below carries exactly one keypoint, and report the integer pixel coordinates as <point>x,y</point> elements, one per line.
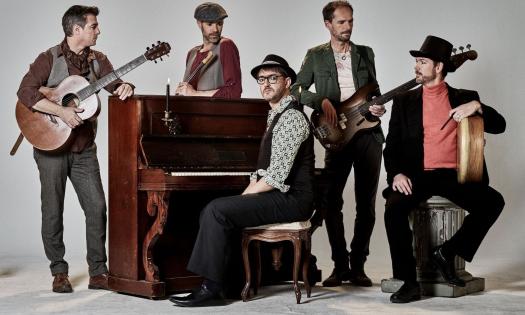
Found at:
<point>172,123</point>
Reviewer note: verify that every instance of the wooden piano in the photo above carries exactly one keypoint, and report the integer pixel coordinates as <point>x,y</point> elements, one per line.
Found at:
<point>159,181</point>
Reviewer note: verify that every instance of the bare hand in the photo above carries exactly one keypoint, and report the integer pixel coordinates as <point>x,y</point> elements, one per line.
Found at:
<point>70,117</point>
<point>329,111</point>
<point>465,110</point>
<point>185,89</point>
<point>402,184</point>
<point>377,110</point>
<point>124,91</point>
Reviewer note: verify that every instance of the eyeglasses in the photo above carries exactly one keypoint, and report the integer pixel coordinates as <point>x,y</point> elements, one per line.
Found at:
<point>272,79</point>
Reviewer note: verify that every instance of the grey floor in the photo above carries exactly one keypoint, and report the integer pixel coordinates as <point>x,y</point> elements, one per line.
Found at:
<point>25,289</point>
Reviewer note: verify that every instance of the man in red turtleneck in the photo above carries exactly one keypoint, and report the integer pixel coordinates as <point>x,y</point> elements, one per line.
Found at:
<point>420,160</point>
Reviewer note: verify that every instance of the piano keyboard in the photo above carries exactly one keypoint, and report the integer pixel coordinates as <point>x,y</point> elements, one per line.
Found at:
<point>210,173</point>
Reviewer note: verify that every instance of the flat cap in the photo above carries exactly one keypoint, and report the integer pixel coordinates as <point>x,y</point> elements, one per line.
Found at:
<point>210,12</point>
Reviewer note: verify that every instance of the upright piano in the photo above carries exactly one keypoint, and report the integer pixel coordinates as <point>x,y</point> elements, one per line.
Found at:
<point>162,172</point>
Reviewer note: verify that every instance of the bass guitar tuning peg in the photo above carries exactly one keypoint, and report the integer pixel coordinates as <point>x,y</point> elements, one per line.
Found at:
<point>158,42</point>
<point>147,48</point>
<point>461,48</point>
<point>160,58</point>
<point>468,46</point>
<point>454,50</point>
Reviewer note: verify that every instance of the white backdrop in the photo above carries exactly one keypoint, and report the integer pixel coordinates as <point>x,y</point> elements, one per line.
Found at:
<point>287,28</point>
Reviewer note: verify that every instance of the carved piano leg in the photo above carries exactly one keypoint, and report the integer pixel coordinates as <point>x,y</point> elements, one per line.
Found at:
<point>158,202</point>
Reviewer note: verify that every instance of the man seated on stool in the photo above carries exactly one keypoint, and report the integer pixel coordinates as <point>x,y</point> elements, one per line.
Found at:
<point>280,190</point>
<point>420,160</point>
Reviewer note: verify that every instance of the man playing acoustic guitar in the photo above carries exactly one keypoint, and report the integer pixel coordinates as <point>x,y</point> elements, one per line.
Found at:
<point>338,68</point>
<point>79,160</point>
<point>420,160</point>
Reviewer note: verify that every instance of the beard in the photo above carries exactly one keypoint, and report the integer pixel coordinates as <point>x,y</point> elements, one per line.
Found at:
<point>273,95</point>
<point>421,79</point>
<point>344,37</point>
<point>213,38</point>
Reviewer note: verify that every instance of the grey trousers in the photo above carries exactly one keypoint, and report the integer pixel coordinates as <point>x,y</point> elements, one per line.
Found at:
<point>84,172</point>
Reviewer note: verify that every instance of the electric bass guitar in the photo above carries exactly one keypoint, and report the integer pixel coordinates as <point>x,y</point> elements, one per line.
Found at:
<point>48,132</point>
<point>353,115</point>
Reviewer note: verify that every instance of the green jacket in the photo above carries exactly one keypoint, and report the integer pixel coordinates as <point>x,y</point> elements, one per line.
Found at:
<point>319,68</point>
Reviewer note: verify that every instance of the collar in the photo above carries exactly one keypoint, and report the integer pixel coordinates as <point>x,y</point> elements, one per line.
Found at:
<point>283,104</point>
<point>63,49</point>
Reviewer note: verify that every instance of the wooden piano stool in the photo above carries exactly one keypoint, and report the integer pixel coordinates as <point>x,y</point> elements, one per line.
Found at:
<point>297,232</point>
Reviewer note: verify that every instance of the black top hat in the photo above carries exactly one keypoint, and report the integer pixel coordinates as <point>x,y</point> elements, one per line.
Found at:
<point>436,49</point>
<point>209,12</point>
<point>275,61</point>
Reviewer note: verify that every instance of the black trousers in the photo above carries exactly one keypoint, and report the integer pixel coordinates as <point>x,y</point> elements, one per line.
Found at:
<point>483,204</point>
<point>223,218</point>
<point>364,154</point>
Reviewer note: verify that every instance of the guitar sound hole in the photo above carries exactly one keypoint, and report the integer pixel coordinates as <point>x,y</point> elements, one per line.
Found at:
<point>70,100</point>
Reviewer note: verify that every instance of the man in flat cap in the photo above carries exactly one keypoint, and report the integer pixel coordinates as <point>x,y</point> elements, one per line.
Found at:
<point>280,190</point>
<point>221,77</point>
<point>420,161</point>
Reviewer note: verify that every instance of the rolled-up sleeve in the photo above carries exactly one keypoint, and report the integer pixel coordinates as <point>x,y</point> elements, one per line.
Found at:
<point>288,134</point>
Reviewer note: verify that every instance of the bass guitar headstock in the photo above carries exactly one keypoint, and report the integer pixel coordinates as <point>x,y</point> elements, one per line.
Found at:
<point>457,60</point>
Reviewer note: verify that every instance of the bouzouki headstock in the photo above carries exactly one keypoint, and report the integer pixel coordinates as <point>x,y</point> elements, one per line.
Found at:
<point>458,59</point>
<point>156,51</point>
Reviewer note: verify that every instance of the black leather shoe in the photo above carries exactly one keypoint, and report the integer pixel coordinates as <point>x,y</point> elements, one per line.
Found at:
<point>201,297</point>
<point>446,268</point>
<point>359,278</point>
<point>174,298</point>
<point>409,292</point>
<point>336,278</point>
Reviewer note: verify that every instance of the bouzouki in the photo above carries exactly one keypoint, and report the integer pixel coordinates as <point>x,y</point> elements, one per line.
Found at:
<point>353,115</point>
<point>48,132</point>
<point>210,58</point>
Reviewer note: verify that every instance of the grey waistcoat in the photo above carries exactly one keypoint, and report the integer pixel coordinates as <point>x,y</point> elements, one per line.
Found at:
<point>211,75</point>
<point>59,72</point>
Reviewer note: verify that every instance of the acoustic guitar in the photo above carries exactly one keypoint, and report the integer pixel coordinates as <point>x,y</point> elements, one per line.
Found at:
<point>353,115</point>
<point>470,145</point>
<point>48,132</point>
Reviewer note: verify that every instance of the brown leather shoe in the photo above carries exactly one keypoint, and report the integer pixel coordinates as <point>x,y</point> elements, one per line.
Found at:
<point>61,283</point>
<point>98,282</point>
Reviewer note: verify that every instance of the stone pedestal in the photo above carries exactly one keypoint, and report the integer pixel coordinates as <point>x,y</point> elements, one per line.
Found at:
<point>434,222</point>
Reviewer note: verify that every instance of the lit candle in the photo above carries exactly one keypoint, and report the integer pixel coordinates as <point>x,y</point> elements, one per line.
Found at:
<point>167,94</point>
<point>299,97</point>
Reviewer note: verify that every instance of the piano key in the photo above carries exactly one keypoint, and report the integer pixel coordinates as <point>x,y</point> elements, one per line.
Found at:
<point>210,173</point>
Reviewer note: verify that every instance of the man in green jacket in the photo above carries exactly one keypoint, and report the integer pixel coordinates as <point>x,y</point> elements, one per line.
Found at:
<point>339,68</point>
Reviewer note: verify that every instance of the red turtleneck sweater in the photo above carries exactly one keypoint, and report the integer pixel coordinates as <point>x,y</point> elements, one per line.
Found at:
<point>439,145</point>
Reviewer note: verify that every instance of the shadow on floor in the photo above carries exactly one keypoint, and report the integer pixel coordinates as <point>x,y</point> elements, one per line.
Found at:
<point>6,272</point>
